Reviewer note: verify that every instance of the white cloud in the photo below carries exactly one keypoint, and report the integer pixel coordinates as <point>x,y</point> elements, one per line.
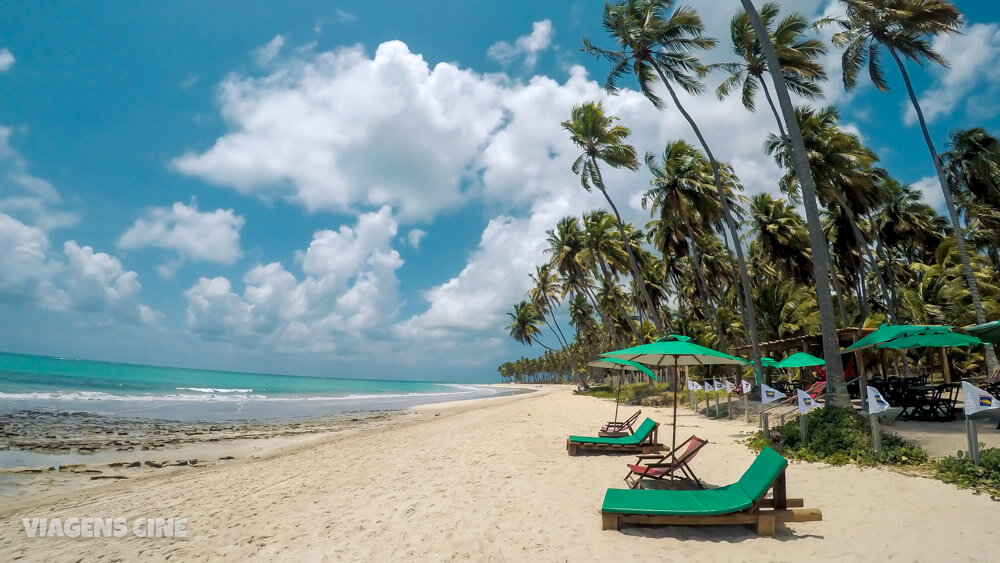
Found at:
<point>527,46</point>
<point>349,288</point>
<point>343,16</point>
<point>212,236</point>
<point>414,237</point>
<point>6,59</point>
<point>264,55</point>
<point>25,196</point>
<point>971,83</point>
<point>27,266</point>
<point>932,194</point>
<point>188,82</point>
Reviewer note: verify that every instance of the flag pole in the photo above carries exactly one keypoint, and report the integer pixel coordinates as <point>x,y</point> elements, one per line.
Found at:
<point>972,434</point>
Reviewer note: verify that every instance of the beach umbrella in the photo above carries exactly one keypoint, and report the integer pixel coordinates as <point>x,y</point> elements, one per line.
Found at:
<point>987,332</point>
<point>674,350</point>
<point>932,340</point>
<point>611,363</point>
<point>768,362</point>
<point>888,332</point>
<point>800,360</point>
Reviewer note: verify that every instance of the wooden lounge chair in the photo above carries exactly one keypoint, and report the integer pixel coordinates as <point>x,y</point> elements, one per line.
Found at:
<point>617,429</point>
<point>643,441</point>
<point>660,466</point>
<point>742,502</point>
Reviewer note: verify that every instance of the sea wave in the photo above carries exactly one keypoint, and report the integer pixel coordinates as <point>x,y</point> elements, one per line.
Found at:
<point>205,395</point>
<point>213,390</point>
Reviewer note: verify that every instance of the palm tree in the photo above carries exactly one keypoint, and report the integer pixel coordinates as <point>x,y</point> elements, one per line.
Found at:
<point>904,27</point>
<point>653,44</point>
<point>566,246</point>
<point>604,250</point>
<point>524,328</point>
<point>602,140</point>
<point>837,389</point>
<point>781,238</point>
<point>544,294</point>
<point>972,165</point>
<point>798,56</point>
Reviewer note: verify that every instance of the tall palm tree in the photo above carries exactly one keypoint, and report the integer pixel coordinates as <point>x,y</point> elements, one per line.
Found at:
<point>545,295</point>
<point>798,57</point>
<point>602,140</point>
<point>605,251</point>
<point>972,165</point>
<point>837,388</point>
<point>904,27</point>
<point>657,42</point>
<point>524,326</point>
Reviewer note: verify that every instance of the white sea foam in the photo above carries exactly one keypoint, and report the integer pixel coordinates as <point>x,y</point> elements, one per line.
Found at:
<point>207,395</point>
<point>213,390</point>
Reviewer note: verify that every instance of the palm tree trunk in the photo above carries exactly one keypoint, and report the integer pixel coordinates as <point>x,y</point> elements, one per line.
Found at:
<point>636,273</point>
<point>555,321</point>
<point>730,223</point>
<point>841,304</point>
<point>836,388</point>
<point>770,103</point>
<point>957,232</point>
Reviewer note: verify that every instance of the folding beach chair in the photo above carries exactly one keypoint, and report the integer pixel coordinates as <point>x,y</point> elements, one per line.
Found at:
<point>642,441</point>
<point>660,466</point>
<point>624,428</point>
<point>742,502</point>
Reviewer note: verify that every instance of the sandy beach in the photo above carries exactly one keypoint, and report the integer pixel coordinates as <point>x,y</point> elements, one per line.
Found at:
<point>489,480</point>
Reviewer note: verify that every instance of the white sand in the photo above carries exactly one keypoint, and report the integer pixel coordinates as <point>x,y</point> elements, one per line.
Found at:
<point>491,481</point>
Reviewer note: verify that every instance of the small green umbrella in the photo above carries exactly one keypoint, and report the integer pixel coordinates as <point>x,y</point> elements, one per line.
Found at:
<point>800,360</point>
<point>767,362</point>
<point>987,332</point>
<point>611,363</point>
<point>934,340</point>
<point>677,351</point>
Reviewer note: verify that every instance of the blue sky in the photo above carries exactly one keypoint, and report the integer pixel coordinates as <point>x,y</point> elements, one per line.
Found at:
<point>354,189</point>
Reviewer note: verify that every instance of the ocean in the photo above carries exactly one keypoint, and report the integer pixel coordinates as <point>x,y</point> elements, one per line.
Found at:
<point>164,393</point>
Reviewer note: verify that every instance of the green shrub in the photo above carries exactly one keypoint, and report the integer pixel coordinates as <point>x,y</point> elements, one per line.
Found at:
<point>836,436</point>
<point>960,471</point>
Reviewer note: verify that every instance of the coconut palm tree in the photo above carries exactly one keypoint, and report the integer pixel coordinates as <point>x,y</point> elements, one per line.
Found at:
<point>656,41</point>
<point>524,328</point>
<point>798,57</point>
<point>905,27</point>
<point>837,388</point>
<point>972,165</point>
<point>780,238</point>
<point>603,141</point>
<point>605,253</point>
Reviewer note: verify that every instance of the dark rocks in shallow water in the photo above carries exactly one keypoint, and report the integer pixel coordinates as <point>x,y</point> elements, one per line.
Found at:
<point>134,464</point>
<point>193,461</point>
<point>154,464</point>
<point>227,457</point>
<point>86,471</point>
<point>96,477</point>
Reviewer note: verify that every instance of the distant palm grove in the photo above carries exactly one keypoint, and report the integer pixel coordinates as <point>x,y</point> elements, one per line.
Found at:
<point>730,268</point>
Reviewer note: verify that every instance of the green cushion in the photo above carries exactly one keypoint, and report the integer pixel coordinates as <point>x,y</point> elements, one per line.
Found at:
<point>724,500</point>
<point>640,434</point>
<point>762,472</point>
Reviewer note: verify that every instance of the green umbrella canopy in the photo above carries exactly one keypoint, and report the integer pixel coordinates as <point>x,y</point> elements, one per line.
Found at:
<point>611,363</point>
<point>987,332</point>
<point>767,362</point>
<point>888,332</point>
<point>800,360</point>
<point>674,350</point>
<point>935,340</point>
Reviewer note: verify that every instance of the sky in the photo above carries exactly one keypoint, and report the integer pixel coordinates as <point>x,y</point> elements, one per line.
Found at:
<point>342,188</point>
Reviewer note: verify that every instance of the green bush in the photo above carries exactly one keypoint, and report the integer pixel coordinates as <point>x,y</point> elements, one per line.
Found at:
<point>632,392</point>
<point>836,436</point>
<point>960,471</point>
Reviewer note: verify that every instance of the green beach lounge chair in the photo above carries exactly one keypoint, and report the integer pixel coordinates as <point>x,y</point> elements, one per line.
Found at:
<point>742,502</point>
<point>642,441</point>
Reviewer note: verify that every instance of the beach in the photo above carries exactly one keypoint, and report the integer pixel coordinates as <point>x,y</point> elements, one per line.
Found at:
<point>490,480</point>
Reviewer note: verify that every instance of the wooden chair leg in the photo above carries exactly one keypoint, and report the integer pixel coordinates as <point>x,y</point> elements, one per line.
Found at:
<point>609,521</point>
<point>765,525</point>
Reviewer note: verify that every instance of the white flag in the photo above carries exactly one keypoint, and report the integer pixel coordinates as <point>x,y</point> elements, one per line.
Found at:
<point>806,403</point>
<point>769,394</point>
<point>977,400</point>
<point>693,385</point>
<point>730,386</point>
<point>876,403</point>
<point>719,386</point>
<point>708,386</point>
<point>747,386</point>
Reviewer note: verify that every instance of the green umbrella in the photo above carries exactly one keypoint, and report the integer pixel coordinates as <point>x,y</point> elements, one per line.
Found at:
<point>934,340</point>
<point>987,332</point>
<point>677,351</point>
<point>888,332</point>
<point>611,363</point>
<point>800,360</point>
<point>768,362</point>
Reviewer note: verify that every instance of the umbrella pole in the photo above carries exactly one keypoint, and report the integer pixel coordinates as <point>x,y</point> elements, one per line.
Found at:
<point>618,398</point>
<point>673,444</point>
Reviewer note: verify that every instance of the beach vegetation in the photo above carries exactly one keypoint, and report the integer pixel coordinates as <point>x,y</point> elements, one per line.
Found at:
<point>959,470</point>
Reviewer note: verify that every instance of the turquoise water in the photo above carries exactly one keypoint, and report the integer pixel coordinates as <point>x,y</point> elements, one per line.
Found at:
<point>42,382</point>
